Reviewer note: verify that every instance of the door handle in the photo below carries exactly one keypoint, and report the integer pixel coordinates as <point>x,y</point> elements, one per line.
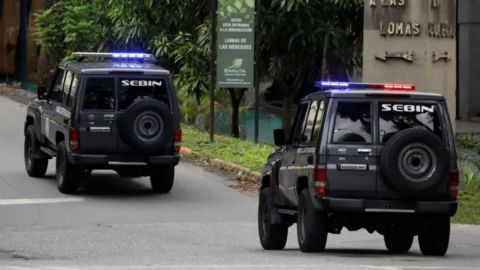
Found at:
<point>364,151</point>
<point>65,121</point>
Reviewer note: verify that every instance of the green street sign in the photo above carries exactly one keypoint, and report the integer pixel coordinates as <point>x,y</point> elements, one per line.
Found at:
<point>235,43</point>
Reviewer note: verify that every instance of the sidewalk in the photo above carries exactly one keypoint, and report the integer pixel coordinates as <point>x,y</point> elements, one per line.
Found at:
<point>467,126</point>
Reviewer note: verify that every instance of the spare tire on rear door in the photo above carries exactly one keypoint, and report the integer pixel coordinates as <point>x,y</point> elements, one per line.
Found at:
<point>147,126</point>
<point>414,161</point>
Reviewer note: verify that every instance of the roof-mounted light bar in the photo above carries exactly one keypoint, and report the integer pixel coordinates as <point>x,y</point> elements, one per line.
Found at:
<point>145,57</point>
<point>356,85</point>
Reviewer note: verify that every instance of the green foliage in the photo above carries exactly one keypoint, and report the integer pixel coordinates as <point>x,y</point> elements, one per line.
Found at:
<point>246,154</point>
<point>469,204</point>
<point>469,141</point>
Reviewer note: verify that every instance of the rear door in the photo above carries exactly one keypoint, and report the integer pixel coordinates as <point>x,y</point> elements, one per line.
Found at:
<point>351,152</point>
<point>398,115</point>
<point>98,115</point>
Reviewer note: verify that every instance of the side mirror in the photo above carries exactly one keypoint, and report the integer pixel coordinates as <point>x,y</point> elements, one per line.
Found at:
<point>42,93</point>
<point>279,137</point>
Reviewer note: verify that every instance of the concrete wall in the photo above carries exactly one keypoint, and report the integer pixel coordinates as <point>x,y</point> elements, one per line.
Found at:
<point>469,58</point>
<point>403,26</point>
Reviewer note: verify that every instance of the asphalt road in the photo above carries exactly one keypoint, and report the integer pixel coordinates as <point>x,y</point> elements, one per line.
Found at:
<point>117,223</point>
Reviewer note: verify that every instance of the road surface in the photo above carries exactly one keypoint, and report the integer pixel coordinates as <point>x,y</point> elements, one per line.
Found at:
<point>117,223</point>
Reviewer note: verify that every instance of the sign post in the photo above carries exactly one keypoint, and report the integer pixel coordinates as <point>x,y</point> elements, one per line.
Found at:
<point>233,49</point>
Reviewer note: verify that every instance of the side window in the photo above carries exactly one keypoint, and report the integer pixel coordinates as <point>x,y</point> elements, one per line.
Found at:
<point>99,94</point>
<point>57,87</point>
<point>310,122</point>
<point>299,124</point>
<point>353,123</point>
<point>317,129</point>
<point>73,91</point>
<point>66,87</point>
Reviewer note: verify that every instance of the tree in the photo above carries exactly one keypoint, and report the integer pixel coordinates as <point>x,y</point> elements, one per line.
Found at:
<point>303,41</point>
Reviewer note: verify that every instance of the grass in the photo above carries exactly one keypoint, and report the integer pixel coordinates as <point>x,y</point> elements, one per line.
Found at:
<point>238,151</point>
<point>469,204</point>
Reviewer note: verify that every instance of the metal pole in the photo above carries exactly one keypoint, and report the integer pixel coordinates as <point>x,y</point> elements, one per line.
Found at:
<point>213,69</point>
<point>22,49</point>
<point>257,69</point>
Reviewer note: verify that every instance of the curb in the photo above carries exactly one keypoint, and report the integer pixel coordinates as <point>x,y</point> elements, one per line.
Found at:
<point>244,175</point>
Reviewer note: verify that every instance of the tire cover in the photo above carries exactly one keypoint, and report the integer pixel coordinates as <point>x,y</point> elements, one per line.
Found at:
<point>147,126</point>
<point>415,161</point>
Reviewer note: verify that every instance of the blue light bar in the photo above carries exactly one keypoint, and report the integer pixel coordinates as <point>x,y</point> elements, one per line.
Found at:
<point>116,56</point>
<point>357,85</point>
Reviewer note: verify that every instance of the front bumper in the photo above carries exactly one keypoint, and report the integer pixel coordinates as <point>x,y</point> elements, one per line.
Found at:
<point>109,161</point>
<point>344,205</point>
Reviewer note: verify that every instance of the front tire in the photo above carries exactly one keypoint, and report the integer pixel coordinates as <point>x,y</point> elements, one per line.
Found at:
<point>398,242</point>
<point>312,225</point>
<point>434,239</point>
<point>36,167</point>
<point>161,178</point>
<point>272,236</point>
<point>67,173</point>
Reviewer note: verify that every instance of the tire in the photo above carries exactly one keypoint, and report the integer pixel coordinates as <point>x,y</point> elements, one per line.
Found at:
<point>67,173</point>
<point>272,236</point>
<point>161,178</point>
<point>398,242</point>
<point>147,126</point>
<point>415,161</point>
<point>312,225</point>
<point>435,238</point>
<point>36,167</point>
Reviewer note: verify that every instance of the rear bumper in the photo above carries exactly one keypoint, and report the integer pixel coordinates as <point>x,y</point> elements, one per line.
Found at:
<point>109,161</point>
<point>386,206</point>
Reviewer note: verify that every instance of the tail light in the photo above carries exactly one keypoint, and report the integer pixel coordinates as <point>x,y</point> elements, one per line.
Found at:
<point>73,139</point>
<point>321,180</point>
<point>453,185</point>
<point>177,143</point>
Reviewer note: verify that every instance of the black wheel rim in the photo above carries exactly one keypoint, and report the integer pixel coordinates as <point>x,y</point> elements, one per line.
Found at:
<point>417,162</point>
<point>148,126</point>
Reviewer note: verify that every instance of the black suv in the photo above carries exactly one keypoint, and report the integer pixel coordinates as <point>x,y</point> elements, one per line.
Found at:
<point>105,111</point>
<point>381,160</point>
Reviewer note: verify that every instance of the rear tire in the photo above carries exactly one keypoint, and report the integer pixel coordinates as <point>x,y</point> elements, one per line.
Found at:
<point>67,173</point>
<point>398,242</point>
<point>272,236</point>
<point>162,178</point>
<point>36,167</point>
<point>435,238</point>
<point>312,225</point>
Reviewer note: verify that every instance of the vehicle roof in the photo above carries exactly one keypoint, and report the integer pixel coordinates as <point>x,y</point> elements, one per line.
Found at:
<point>107,67</point>
<point>374,93</point>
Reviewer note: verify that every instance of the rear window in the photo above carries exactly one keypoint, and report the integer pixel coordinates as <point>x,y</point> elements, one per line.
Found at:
<point>395,117</point>
<point>134,89</point>
<point>99,94</point>
<point>353,123</point>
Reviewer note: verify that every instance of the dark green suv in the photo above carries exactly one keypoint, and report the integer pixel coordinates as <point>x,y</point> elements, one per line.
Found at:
<point>372,156</point>
<point>113,111</point>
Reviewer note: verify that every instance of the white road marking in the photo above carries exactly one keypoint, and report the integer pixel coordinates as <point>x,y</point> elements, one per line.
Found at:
<point>39,201</point>
<point>389,267</point>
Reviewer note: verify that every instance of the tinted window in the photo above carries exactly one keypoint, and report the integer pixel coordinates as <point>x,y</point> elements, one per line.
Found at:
<point>394,117</point>
<point>313,122</point>
<point>73,91</point>
<point>66,87</point>
<point>57,88</point>
<point>299,124</point>
<point>353,123</point>
<point>318,122</point>
<point>132,90</point>
<point>99,94</point>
